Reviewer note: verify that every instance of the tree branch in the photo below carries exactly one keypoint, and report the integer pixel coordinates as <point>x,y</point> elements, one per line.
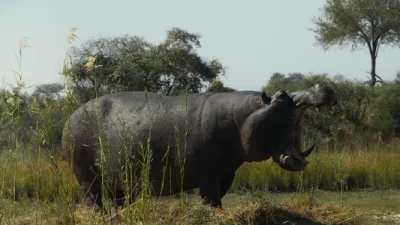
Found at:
<point>377,76</point>
<point>170,87</point>
<point>378,41</point>
<point>365,37</point>
<point>381,80</point>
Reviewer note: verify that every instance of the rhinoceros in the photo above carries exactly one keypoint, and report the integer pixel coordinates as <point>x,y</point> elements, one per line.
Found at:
<point>195,140</point>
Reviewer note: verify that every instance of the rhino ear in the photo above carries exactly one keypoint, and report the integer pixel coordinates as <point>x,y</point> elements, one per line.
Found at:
<point>266,99</point>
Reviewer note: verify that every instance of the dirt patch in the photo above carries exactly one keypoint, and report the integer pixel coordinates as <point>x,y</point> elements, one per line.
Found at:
<point>327,213</point>
<point>390,218</point>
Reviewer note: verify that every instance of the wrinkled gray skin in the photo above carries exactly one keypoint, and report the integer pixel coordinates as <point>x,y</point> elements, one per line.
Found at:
<point>224,130</point>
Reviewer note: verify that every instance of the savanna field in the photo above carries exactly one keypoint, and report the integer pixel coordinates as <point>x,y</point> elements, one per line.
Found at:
<point>353,177</point>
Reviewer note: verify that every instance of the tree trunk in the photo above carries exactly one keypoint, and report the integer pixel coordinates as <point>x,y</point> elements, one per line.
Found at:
<point>373,71</point>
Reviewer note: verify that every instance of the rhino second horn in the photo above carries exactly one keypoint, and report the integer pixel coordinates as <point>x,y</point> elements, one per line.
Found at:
<point>308,151</point>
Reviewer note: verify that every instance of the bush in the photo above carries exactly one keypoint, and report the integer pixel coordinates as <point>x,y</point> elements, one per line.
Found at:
<point>385,109</point>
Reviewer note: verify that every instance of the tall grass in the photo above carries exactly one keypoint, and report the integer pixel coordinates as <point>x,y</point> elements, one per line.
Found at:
<point>375,168</point>
<point>358,170</point>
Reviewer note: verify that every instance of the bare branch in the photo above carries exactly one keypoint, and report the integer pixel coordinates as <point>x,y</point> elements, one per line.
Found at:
<point>376,75</point>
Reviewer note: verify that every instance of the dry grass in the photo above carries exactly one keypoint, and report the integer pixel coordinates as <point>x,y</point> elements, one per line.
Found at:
<point>300,211</point>
<point>304,211</point>
<point>326,213</point>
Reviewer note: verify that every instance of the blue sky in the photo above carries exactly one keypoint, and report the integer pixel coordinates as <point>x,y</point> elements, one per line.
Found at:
<point>252,38</point>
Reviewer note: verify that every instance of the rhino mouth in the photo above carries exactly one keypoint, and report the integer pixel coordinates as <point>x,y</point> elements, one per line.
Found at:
<point>294,159</point>
<point>318,96</point>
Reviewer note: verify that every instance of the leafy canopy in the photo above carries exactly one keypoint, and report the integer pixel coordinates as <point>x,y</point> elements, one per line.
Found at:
<point>359,23</point>
<point>218,86</point>
<point>130,63</point>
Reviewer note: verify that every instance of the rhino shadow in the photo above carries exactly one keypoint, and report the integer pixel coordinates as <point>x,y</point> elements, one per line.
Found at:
<point>282,217</point>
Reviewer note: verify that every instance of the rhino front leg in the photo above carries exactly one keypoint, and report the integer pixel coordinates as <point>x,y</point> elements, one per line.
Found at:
<point>226,184</point>
<point>210,190</point>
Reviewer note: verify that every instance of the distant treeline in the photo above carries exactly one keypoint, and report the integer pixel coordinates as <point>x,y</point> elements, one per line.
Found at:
<point>366,115</point>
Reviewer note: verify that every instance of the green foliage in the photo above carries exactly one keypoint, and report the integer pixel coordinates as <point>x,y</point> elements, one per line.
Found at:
<point>362,114</point>
<point>385,109</point>
<point>131,63</point>
<point>48,90</point>
<point>218,86</point>
<point>49,121</point>
<point>359,22</point>
<point>279,81</point>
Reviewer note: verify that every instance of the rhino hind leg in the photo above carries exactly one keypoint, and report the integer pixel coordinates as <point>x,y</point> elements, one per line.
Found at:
<point>117,197</point>
<point>91,194</point>
<point>90,187</point>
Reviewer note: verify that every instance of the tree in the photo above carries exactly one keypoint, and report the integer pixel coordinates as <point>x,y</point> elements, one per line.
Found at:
<point>48,90</point>
<point>130,63</point>
<point>279,81</point>
<point>218,86</point>
<point>360,22</point>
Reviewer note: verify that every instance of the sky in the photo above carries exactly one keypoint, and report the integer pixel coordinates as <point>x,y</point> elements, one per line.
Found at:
<point>253,39</point>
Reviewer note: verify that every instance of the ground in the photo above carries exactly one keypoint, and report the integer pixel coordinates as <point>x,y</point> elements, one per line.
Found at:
<point>361,207</point>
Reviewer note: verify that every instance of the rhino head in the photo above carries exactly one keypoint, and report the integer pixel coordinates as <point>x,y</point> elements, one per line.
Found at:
<point>319,96</point>
<point>275,129</point>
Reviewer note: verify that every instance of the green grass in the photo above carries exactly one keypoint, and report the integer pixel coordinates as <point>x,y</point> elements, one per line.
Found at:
<point>376,167</point>
<point>28,174</point>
